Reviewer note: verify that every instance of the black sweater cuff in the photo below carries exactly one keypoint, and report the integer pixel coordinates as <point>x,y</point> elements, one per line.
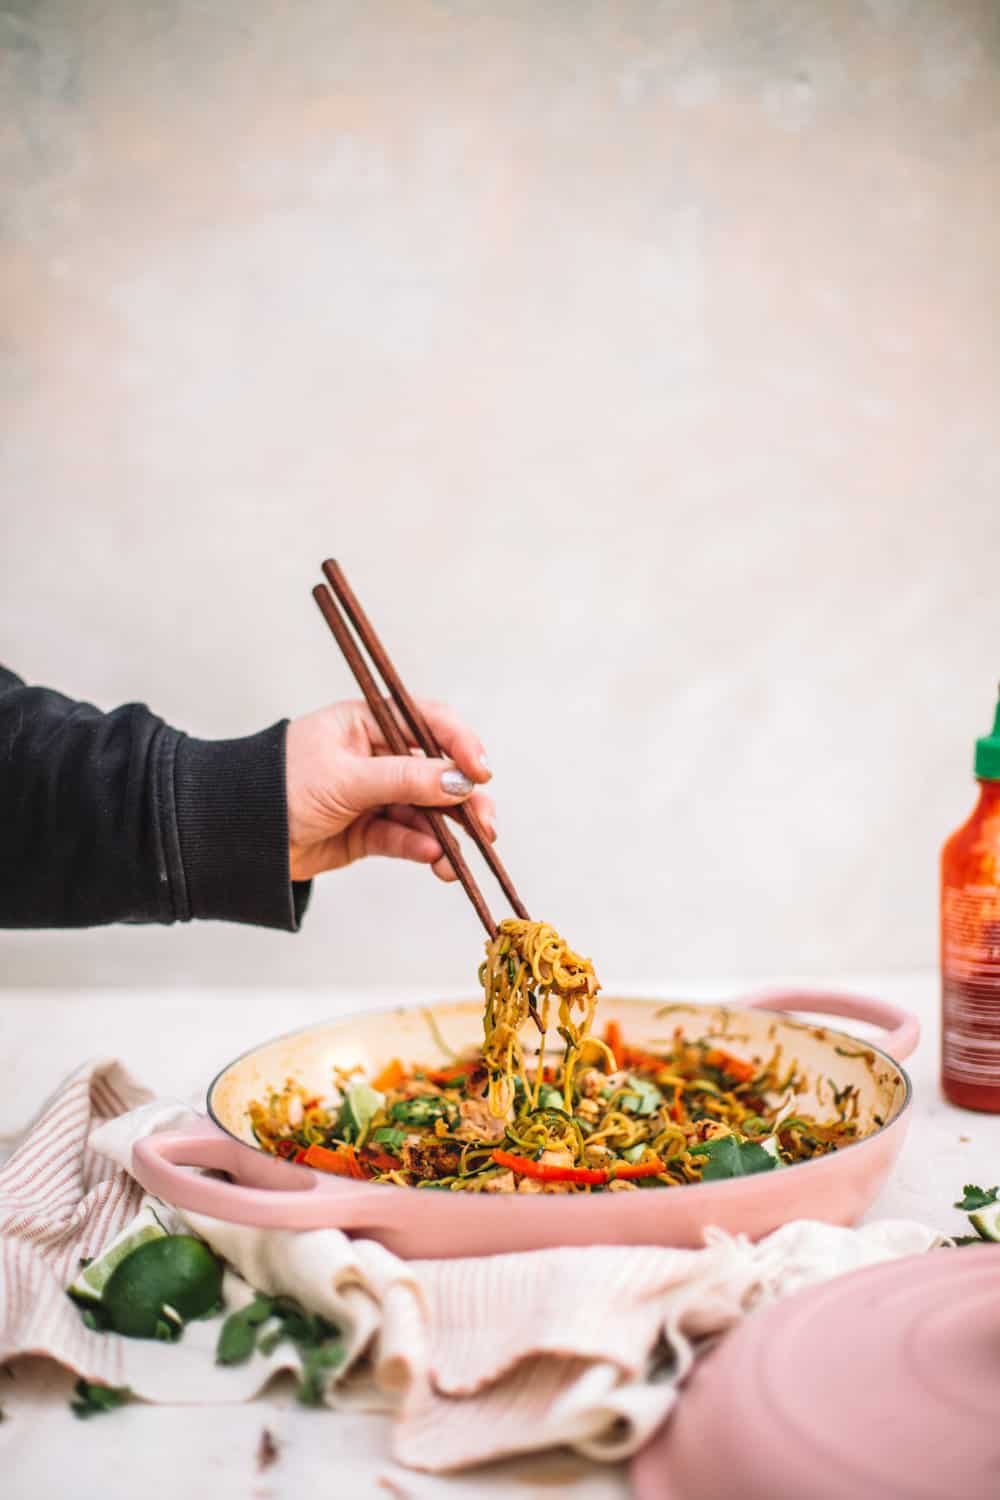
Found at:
<point>232,827</point>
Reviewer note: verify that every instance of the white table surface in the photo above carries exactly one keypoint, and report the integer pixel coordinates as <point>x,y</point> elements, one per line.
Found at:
<point>175,1040</point>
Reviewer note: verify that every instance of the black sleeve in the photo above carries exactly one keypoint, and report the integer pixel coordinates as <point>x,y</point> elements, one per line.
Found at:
<point>116,817</point>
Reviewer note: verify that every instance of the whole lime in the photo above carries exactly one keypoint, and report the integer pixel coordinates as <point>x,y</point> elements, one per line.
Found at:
<point>161,1285</point>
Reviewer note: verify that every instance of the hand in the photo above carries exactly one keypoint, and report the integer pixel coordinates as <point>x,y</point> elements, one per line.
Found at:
<point>348,797</point>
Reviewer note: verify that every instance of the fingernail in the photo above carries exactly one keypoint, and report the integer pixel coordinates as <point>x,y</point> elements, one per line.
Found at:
<point>484,762</point>
<point>455,784</point>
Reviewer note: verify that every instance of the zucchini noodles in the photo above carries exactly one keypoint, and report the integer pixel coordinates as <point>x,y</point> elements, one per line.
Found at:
<point>527,963</point>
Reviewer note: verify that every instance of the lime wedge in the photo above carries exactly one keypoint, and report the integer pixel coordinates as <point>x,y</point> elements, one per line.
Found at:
<point>986,1222</point>
<point>160,1286</point>
<point>89,1285</point>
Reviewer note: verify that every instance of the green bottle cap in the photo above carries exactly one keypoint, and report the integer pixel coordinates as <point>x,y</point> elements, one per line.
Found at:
<point>988,753</point>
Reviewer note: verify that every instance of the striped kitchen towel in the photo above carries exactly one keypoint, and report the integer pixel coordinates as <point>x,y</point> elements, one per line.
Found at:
<point>475,1360</point>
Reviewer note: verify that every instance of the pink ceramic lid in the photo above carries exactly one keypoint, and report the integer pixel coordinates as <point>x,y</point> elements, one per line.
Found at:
<point>880,1385</point>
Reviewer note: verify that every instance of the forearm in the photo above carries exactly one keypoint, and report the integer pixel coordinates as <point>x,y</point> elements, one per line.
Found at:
<point>118,817</point>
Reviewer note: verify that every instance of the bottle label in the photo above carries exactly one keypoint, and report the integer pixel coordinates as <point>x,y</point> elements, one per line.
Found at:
<point>970,984</point>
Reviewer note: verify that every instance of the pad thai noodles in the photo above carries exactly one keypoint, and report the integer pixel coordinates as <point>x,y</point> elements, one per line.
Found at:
<point>600,1116</point>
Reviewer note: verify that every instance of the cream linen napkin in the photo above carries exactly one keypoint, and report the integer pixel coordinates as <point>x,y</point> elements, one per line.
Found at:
<point>475,1359</point>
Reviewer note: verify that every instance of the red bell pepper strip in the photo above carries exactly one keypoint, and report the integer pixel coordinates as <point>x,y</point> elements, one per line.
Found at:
<point>342,1162</point>
<point>734,1067</point>
<point>543,1171</point>
<point>627,1169</point>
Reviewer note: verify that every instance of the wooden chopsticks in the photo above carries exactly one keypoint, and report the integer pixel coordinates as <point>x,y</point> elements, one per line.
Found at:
<point>418,727</point>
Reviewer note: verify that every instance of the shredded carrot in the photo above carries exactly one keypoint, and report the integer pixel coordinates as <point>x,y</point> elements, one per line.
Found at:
<point>390,1077</point>
<point>735,1067</point>
<point>635,1057</point>
<point>342,1162</point>
<point>455,1073</point>
<point>677,1108</point>
<point>381,1161</point>
<point>613,1039</point>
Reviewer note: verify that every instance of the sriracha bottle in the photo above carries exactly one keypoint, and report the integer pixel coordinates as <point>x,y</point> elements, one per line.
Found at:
<point>970,944</point>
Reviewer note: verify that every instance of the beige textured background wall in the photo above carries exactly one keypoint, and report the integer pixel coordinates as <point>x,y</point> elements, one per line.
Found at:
<point>641,363</point>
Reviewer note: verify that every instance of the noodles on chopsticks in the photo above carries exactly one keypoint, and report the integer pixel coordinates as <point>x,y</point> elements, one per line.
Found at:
<point>526,964</point>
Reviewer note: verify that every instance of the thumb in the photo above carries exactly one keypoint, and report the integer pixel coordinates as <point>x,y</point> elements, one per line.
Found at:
<point>378,780</point>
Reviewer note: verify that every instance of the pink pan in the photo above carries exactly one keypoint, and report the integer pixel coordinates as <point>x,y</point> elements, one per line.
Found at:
<point>260,1189</point>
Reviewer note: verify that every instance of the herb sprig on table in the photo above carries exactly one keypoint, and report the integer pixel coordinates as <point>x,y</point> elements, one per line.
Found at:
<point>983,1207</point>
<point>93,1400</point>
<point>976,1197</point>
<point>265,1322</point>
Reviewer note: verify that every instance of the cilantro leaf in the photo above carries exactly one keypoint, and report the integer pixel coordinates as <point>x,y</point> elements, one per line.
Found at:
<point>728,1157</point>
<point>315,1363</point>
<point>92,1400</point>
<point>389,1136</point>
<point>238,1334</point>
<point>977,1197</point>
<point>318,1342</point>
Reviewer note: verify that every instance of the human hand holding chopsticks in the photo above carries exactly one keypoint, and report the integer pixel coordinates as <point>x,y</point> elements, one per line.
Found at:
<point>349,798</point>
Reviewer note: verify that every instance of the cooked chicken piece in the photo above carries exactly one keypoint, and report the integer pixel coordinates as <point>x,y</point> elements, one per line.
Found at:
<point>559,1158</point>
<point>590,1081</point>
<point>295,1112</point>
<point>620,1186</point>
<point>529,1185</point>
<point>477,1084</point>
<point>477,1122</point>
<point>597,1154</point>
<point>425,1157</point>
<point>588,1109</point>
<point>505,1183</point>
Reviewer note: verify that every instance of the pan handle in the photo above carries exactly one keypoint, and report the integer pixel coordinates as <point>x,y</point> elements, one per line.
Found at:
<point>902,1029</point>
<point>268,1192</point>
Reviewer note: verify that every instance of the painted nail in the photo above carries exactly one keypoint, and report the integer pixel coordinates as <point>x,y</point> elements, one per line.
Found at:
<point>455,784</point>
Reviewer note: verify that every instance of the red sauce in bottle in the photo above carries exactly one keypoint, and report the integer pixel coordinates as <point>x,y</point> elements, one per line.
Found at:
<point>970,944</point>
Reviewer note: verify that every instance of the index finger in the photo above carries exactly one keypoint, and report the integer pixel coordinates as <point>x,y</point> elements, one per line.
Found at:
<point>456,739</point>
